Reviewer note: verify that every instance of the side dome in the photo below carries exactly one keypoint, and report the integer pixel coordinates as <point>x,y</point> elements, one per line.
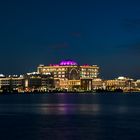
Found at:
<point>68,63</point>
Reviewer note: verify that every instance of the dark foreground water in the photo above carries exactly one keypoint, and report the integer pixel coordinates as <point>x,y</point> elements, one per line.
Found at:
<point>70,117</point>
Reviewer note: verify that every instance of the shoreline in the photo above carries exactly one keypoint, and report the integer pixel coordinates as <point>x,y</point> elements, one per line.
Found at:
<point>70,92</point>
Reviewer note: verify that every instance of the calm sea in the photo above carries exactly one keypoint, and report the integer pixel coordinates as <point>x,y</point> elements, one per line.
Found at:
<point>70,116</point>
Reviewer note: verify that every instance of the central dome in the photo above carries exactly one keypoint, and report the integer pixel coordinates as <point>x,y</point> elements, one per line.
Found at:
<point>68,63</point>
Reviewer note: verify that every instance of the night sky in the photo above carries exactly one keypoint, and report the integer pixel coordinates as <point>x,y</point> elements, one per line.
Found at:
<point>102,32</point>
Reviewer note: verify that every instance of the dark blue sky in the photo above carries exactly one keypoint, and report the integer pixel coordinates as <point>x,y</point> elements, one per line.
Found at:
<point>102,32</point>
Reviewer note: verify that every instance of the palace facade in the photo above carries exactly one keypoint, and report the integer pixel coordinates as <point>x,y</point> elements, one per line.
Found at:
<point>68,74</point>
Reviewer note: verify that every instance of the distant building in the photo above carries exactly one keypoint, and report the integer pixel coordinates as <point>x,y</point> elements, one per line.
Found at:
<point>138,84</point>
<point>40,82</point>
<point>97,83</point>
<point>123,83</point>
<point>86,84</point>
<point>11,83</point>
<point>26,83</point>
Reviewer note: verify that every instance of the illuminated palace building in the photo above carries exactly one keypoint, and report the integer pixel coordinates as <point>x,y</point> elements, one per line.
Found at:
<point>69,75</point>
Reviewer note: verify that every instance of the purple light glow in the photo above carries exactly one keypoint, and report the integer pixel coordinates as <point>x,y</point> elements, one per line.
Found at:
<point>68,63</point>
<point>85,65</point>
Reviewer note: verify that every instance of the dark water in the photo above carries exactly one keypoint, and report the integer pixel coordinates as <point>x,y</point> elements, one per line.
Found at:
<point>70,117</point>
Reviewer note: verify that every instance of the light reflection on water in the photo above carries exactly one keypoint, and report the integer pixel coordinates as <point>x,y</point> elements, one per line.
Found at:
<point>70,109</point>
<point>64,104</point>
<point>57,109</point>
<point>70,117</point>
<point>65,109</point>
